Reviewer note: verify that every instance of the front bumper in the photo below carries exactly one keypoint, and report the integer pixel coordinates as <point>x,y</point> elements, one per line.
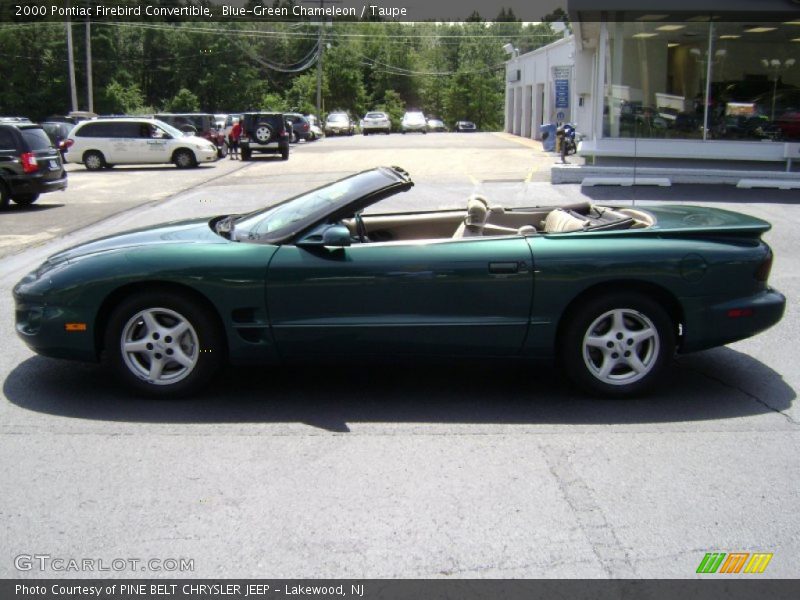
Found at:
<point>42,327</point>
<point>205,155</point>
<point>708,326</point>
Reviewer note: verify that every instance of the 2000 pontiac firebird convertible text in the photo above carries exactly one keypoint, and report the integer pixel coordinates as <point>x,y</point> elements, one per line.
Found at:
<point>610,293</point>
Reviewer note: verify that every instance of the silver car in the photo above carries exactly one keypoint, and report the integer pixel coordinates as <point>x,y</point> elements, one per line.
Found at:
<point>414,121</point>
<point>376,122</point>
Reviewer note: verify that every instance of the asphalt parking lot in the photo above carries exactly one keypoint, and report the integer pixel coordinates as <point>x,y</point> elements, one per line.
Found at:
<point>412,471</point>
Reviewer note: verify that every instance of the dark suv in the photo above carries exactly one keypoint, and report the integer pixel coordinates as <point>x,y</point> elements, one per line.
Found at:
<point>203,125</point>
<point>264,132</point>
<point>29,164</point>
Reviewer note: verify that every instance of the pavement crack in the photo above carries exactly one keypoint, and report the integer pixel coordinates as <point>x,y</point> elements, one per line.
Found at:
<point>599,533</point>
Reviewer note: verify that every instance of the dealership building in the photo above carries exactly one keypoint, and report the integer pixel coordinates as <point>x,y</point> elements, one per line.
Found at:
<point>684,91</point>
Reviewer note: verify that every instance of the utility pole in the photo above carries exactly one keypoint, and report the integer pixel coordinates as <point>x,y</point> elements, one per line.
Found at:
<point>320,47</point>
<point>319,69</point>
<point>71,61</point>
<point>89,90</point>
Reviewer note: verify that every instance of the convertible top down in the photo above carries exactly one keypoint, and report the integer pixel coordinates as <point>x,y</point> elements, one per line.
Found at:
<point>610,293</point>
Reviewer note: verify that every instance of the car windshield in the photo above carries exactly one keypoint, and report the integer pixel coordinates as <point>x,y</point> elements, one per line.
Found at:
<point>297,213</point>
<point>375,116</point>
<point>176,133</point>
<point>336,117</point>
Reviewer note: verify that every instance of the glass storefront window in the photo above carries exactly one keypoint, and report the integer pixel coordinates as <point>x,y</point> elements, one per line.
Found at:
<point>703,80</point>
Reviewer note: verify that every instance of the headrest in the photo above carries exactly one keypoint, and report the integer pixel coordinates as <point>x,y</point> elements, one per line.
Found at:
<point>477,210</point>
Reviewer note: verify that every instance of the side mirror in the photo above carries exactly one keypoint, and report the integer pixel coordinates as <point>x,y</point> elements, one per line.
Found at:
<point>336,235</point>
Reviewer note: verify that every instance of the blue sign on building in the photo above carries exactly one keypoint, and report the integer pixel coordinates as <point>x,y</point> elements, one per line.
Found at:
<point>562,93</point>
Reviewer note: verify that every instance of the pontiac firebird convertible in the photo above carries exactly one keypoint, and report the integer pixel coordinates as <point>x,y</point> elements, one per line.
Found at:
<point>609,293</point>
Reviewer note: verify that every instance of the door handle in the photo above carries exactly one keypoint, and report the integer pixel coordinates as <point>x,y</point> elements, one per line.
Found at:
<point>503,268</point>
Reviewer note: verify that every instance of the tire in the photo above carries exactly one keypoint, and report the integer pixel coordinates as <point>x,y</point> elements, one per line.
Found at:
<point>263,133</point>
<point>109,167</point>
<point>364,133</point>
<point>25,199</point>
<point>222,151</point>
<point>388,131</point>
<point>94,160</point>
<point>142,323</point>
<point>184,159</point>
<point>5,195</point>
<point>644,333</point>
<point>285,154</point>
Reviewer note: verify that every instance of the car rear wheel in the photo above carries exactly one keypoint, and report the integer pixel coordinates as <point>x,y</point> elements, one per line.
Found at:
<point>25,199</point>
<point>184,159</point>
<point>617,345</point>
<point>163,344</point>
<point>94,160</point>
<point>5,195</point>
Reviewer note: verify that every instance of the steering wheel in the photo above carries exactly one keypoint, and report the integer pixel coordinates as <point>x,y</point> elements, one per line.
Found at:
<point>361,229</point>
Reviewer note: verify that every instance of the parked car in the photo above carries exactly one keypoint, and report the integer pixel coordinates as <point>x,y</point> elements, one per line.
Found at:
<point>301,130</point>
<point>314,128</point>
<point>339,123</point>
<point>436,125</point>
<point>376,122</point>
<point>414,121</point>
<point>203,125</point>
<point>103,143</point>
<point>58,132</point>
<point>264,132</point>
<point>465,127</point>
<point>615,293</point>
<point>29,164</point>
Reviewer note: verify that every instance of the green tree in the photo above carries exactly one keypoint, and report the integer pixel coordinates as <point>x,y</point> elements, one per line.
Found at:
<point>121,99</point>
<point>183,101</point>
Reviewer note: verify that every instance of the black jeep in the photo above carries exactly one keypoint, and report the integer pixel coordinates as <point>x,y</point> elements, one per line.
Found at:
<point>264,132</point>
<point>29,164</point>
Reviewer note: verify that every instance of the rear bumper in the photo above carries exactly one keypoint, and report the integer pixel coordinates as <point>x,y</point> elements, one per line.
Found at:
<point>274,147</point>
<point>707,326</point>
<point>37,184</point>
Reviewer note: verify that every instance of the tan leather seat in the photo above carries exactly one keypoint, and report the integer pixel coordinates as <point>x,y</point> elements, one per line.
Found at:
<point>560,221</point>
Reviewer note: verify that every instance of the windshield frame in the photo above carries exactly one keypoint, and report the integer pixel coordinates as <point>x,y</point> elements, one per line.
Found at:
<point>173,131</point>
<point>375,185</point>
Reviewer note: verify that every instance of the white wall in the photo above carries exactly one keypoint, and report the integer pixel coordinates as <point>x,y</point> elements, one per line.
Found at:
<point>536,68</point>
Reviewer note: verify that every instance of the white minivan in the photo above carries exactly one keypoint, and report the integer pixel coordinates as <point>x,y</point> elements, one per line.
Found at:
<point>103,143</point>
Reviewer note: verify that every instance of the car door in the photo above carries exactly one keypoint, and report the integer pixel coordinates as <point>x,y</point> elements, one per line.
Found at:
<point>449,297</point>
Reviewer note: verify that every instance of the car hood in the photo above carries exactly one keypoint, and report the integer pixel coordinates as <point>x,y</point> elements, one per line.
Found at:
<point>177,232</point>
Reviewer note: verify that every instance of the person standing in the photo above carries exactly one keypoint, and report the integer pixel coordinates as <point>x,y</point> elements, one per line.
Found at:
<point>233,140</point>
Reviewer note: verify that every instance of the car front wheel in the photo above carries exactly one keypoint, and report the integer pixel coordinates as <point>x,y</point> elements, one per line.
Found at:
<point>617,345</point>
<point>163,344</point>
<point>184,159</point>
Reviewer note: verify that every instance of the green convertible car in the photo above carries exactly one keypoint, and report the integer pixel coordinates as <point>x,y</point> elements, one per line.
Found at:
<point>610,293</point>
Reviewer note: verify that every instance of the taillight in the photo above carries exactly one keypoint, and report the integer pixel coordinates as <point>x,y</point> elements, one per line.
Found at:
<point>762,272</point>
<point>29,164</point>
